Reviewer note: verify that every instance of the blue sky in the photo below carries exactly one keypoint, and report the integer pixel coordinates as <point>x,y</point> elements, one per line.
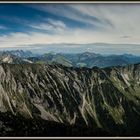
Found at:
<point>31,24</point>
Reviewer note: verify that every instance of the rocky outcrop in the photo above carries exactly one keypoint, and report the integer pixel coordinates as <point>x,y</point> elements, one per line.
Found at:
<point>106,98</point>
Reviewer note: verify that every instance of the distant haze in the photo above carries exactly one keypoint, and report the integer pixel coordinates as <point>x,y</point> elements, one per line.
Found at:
<point>101,48</point>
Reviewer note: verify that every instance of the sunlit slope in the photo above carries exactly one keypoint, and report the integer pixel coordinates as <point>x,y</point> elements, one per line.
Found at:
<point>100,98</point>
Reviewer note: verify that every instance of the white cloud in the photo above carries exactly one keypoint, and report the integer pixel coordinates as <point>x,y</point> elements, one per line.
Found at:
<point>116,23</point>
<point>68,11</point>
<point>118,19</point>
<point>54,26</point>
<point>69,36</point>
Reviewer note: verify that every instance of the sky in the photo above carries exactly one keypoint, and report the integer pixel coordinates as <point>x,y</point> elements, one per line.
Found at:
<point>24,25</point>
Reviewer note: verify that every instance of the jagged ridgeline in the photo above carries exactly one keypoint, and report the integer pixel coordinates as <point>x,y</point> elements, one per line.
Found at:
<point>53,100</point>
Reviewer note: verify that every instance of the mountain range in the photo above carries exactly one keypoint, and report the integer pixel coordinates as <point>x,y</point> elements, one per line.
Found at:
<point>85,59</point>
<point>67,94</point>
<point>39,99</point>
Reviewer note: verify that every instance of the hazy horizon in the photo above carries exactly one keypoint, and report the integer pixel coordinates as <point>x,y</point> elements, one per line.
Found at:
<point>100,48</point>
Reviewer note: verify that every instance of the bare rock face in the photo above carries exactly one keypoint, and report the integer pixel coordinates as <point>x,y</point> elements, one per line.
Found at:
<point>106,98</point>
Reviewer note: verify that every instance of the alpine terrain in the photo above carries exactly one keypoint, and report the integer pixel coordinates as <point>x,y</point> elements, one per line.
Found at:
<point>54,100</point>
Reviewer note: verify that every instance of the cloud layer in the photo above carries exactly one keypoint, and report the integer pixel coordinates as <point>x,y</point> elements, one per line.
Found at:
<point>29,24</point>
